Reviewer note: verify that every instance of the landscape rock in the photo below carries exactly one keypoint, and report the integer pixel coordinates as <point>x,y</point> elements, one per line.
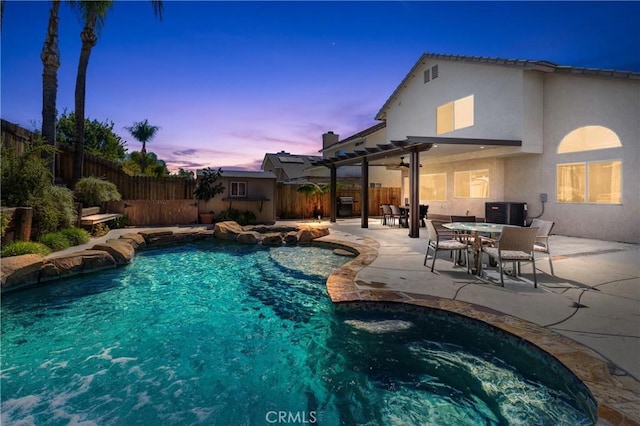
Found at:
<point>122,251</point>
<point>308,234</point>
<point>20,271</point>
<point>291,238</point>
<point>272,239</point>
<point>76,263</point>
<point>137,240</point>
<point>227,230</point>
<point>249,237</point>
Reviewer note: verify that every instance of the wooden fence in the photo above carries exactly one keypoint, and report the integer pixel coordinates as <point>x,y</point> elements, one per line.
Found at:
<point>156,212</point>
<point>293,204</point>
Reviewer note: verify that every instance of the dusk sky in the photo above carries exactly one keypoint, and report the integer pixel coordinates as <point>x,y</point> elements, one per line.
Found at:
<point>228,82</point>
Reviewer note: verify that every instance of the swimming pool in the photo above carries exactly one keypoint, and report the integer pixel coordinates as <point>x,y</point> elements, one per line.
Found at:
<point>219,333</point>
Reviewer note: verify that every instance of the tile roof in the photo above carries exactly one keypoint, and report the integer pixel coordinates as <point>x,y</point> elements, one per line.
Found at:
<point>543,66</point>
<point>361,134</point>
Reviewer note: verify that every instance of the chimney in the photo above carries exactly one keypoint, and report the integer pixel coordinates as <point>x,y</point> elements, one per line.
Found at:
<point>329,139</point>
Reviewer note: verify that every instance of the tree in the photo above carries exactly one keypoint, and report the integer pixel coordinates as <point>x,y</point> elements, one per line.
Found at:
<point>154,166</point>
<point>143,132</point>
<point>93,14</point>
<point>99,137</point>
<point>50,56</point>
<point>312,188</point>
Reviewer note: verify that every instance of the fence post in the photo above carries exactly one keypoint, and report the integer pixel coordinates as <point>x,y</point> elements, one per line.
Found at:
<point>22,218</point>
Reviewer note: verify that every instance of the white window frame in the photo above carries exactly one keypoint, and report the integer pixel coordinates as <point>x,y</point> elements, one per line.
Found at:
<point>586,181</point>
<point>470,172</point>
<point>422,178</point>
<point>238,189</point>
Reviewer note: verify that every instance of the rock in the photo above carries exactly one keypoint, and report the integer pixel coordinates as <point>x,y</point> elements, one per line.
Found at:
<point>272,239</point>
<point>308,234</point>
<point>291,238</point>
<point>20,271</point>
<point>227,230</point>
<point>249,237</point>
<point>76,263</point>
<point>121,250</point>
<point>137,240</point>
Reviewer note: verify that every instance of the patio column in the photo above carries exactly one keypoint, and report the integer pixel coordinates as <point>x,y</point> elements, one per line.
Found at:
<point>414,194</point>
<point>364,211</point>
<point>333,193</point>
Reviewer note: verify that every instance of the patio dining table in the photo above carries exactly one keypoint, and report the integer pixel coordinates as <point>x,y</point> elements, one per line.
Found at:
<point>476,229</point>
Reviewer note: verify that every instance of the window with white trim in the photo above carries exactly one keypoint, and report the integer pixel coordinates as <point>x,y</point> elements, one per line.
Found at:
<point>238,189</point>
<point>471,184</point>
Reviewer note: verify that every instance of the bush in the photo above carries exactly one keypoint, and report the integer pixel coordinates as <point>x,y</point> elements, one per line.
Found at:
<point>100,230</point>
<point>55,241</point>
<point>18,248</point>
<point>25,175</point>
<point>96,191</point>
<point>76,236</point>
<point>4,222</point>
<point>243,218</point>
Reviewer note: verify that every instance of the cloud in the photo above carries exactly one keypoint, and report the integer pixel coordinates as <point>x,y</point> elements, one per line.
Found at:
<point>186,152</point>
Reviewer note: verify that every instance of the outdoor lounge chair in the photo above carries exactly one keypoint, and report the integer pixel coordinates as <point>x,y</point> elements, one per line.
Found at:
<point>386,214</point>
<point>396,214</point>
<point>515,245</point>
<point>443,241</point>
<point>542,239</point>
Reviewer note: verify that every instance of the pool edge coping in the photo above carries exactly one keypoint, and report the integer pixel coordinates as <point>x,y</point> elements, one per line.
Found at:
<point>618,402</point>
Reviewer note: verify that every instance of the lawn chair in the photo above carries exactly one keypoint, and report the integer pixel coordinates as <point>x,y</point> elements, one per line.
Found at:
<point>542,239</point>
<point>515,245</point>
<point>443,241</point>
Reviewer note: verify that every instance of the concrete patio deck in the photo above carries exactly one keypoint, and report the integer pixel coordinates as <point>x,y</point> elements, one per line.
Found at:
<point>593,298</point>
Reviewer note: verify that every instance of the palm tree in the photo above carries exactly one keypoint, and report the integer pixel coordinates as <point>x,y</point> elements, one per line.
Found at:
<point>143,132</point>
<point>93,13</point>
<point>51,62</point>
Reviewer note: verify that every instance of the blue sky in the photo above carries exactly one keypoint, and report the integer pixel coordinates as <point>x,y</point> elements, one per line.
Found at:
<point>228,82</point>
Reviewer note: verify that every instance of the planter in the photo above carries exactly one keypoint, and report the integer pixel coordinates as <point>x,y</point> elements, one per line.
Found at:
<point>206,218</point>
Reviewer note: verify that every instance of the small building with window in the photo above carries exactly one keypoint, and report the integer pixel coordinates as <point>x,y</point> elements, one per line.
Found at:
<point>564,140</point>
<point>254,191</point>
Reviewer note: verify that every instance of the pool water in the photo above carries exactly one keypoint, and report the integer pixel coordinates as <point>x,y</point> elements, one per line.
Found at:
<point>224,334</point>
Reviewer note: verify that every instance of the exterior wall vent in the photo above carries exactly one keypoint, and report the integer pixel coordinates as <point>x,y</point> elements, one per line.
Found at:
<point>434,72</point>
<point>427,75</point>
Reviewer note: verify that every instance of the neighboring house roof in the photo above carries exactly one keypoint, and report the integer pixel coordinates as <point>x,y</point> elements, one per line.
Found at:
<point>543,66</point>
<point>242,174</point>
<point>293,166</point>
<point>362,134</point>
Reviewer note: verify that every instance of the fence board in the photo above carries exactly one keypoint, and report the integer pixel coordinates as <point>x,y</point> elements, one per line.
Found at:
<point>156,212</point>
<point>291,203</point>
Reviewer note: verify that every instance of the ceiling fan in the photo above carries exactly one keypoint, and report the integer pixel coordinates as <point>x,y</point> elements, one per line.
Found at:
<point>402,164</point>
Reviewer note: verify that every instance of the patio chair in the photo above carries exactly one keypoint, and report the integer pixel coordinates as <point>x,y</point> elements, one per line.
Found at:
<point>515,245</point>
<point>424,209</point>
<point>396,214</point>
<point>386,214</point>
<point>542,239</point>
<point>443,241</point>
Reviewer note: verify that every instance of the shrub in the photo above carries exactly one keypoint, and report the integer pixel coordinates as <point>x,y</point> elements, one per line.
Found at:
<point>243,218</point>
<point>99,230</point>
<point>18,248</point>
<point>4,222</point>
<point>76,236</point>
<point>24,175</point>
<point>55,241</point>
<point>96,191</point>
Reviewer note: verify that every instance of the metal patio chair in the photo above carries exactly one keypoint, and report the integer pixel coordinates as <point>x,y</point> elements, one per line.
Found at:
<point>515,245</point>
<point>542,239</point>
<point>443,241</point>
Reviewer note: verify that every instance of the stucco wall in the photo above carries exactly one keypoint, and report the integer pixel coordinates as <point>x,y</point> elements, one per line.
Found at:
<point>256,188</point>
<point>575,101</point>
<point>498,106</point>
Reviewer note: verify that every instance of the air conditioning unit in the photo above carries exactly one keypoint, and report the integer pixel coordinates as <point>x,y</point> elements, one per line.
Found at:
<point>508,213</point>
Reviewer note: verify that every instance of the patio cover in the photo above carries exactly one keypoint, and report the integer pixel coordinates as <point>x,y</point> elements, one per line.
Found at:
<point>412,145</point>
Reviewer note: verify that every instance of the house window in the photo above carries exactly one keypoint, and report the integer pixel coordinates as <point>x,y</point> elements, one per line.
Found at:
<point>433,187</point>
<point>434,71</point>
<point>589,138</point>
<point>455,115</point>
<point>471,184</point>
<point>238,189</point>
<point>597,182</point>
<point>427,75</point>
<point>375,185</point>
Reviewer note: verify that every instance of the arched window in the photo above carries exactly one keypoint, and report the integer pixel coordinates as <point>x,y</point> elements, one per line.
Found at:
<point>597,182</point>
<point>589,138</point>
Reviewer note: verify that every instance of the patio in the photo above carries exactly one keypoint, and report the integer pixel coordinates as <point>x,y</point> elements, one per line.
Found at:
<point>594,300</point>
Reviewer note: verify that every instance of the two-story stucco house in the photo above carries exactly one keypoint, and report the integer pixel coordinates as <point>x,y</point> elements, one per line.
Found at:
<point>564,140</point>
